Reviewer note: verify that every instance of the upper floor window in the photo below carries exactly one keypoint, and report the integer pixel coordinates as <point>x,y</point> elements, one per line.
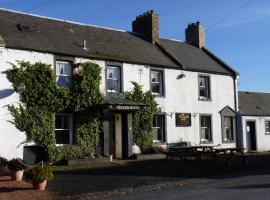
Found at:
<point>204,87</point>
<point>228,133</point>
<point>157,82</point>
<point>205,129</point>
<point>63,128</point>
<point>113,79</point>
<point>267,127</point>
<point>159,128</point>
<point>63,74</point>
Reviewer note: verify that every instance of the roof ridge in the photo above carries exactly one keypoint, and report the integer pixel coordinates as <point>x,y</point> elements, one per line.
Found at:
<point>61,20</point>
<point>254,92</point>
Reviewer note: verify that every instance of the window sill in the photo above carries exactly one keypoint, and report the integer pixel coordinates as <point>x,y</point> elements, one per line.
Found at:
<point>158,95</point>
<point>229,142</point>
<point>206,142</point>
<point>204,99</point>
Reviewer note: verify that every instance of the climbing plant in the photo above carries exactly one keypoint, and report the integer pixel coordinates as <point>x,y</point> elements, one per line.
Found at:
<point>143,120</point>
<point>40,99</point>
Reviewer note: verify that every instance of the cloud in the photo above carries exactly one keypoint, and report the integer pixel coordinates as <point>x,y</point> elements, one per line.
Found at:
<point>247,17</point>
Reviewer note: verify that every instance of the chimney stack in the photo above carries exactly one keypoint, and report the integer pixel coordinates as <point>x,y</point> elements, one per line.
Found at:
<point>195,35</point>
<point>147,24</point>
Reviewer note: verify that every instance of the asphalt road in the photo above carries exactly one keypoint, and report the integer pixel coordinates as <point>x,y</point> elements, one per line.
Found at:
<point>253,187</point>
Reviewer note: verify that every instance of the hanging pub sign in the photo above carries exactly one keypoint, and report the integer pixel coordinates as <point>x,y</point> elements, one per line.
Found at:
<point>183,119</point>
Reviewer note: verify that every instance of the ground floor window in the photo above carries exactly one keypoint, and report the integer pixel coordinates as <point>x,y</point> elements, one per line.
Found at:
<point>228,133</point>
<point>63,128</point>
<point>205,129</point>
<point>159,128</point>
<point>267,127</point>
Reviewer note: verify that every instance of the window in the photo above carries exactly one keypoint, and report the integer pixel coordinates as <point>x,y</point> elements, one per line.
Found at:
<point>157,82</point>
<point>113,79</point>
<point>205,129</point>
<point>63,128</point>
<point>228,133</point>
<point>267,127</point>
<point>63,74</point>
<point>204,87</point>
<point>159,128</point>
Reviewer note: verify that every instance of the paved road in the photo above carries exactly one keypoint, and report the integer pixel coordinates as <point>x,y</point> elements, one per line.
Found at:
<point>255,187</point>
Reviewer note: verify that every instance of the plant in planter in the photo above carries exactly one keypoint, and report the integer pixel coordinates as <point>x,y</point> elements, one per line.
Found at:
<point>16,168</point>
<point>3,165</point>
<point>40,175</point>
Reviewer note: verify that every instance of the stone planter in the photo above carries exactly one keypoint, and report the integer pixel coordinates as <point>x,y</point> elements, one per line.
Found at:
<point>16,175</point>
<point>39,186</point>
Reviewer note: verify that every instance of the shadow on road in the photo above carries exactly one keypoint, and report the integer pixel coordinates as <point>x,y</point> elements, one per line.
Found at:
<point>139,173</point>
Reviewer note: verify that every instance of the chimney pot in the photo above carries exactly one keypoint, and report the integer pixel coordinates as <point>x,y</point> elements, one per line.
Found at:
<point>195,34</point>
<point>147,24</point>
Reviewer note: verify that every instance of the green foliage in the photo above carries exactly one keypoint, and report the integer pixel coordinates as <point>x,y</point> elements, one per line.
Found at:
<point>3,162</point>
<point>143,120</point>
<point>15,164</point>
<point>40,99</point>
<point>41,173</point>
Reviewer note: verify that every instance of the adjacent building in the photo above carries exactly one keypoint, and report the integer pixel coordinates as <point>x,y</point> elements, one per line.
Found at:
<point>254,110</point>
<point>196,91</point>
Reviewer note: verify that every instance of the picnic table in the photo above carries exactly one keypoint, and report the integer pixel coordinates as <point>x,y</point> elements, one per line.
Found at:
<point>214,152</point>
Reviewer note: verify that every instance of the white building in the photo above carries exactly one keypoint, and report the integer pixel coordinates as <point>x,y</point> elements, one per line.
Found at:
<point>254,108</point>
<point>195,90</point>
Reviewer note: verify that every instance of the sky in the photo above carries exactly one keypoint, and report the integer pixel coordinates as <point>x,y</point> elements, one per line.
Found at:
<point>237,31</point>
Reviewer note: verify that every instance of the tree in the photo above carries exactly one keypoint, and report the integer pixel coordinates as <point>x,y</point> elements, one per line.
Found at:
<point>143,119</point>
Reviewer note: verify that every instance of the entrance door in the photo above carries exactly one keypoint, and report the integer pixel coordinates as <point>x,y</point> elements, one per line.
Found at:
<point>118,136</point>
<point>251,136</point>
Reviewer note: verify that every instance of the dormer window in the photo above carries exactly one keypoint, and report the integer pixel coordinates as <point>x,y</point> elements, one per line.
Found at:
<point>24,27</point>
<point>63,74</point>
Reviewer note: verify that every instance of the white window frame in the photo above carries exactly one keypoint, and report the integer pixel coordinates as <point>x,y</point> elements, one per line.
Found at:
<point>225,128</point>
<point>205,127</point>
<point>267,122</point>
<point>206,88</point>
<point>115,79</point>
<point>160,82</point>
<point>161,127</point>
<point>63,75</point>
<point>64,129</point>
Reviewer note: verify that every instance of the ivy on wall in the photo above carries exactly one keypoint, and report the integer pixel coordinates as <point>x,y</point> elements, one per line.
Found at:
<point>40,99</point>
<point>143,120</point>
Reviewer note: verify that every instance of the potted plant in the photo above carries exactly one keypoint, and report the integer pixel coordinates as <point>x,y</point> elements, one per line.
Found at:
<point>40,175</point>
<point>3,165</point>
<point>16,168</point>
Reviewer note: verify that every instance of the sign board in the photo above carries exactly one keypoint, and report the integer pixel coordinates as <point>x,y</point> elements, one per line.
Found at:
<point>124,107</point>
<point>183,119</point>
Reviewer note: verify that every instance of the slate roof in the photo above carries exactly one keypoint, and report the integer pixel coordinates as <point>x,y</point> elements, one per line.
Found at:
<point>60,37</point>
<point>254,103</point>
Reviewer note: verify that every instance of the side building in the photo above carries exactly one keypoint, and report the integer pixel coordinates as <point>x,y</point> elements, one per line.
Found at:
<point>195,90</point>
<point>254,108</point>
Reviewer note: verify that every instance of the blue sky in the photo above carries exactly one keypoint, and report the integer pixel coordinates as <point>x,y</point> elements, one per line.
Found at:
<point>242,40</point>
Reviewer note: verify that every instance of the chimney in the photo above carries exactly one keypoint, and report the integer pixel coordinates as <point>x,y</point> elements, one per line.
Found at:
<point>195,35</point>
<point>147,24</point>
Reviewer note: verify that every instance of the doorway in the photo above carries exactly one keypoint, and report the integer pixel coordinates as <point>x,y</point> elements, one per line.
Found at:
<point>115,135</point>
<point>251,135</point>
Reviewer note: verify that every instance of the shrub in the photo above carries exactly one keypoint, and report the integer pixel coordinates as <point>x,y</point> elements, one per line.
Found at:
<point>41,173</point>
<point>3,162</point>
<point>16,164</point>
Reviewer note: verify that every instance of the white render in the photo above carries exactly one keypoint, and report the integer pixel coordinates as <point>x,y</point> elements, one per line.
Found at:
<point>181,95</point>
<point>262,140</point>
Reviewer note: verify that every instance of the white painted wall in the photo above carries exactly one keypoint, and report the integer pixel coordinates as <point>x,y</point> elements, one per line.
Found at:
<point>263,141</point>
<point>181,95</point>
<point>11,139</point>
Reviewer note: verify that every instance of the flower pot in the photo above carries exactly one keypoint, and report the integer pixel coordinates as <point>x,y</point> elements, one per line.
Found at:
<point>39,185</point>
<point>16,175</point>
